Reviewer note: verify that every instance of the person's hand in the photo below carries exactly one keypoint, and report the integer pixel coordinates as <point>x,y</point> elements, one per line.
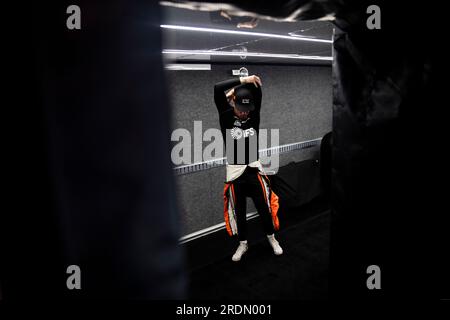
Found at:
<point>252,79</point>
<point>225,15</point>
<point>248,24</point>
<point>230,93</point>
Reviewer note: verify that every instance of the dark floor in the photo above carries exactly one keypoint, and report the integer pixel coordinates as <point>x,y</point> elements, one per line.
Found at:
<point>300,273</point>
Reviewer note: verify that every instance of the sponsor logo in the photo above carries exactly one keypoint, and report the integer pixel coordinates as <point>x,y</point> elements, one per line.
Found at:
<point>195,145</point>
<point>237,133</point>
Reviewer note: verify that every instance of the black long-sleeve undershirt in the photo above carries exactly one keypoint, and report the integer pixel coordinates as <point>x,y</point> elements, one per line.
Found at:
<point>235,129</point>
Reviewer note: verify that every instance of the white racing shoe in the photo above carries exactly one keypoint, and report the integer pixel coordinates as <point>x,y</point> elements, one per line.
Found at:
<point>275,245</point>
<point>243,247</point>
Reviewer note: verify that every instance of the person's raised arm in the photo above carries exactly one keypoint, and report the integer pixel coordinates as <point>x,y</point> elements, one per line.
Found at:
<point>220,98</point>
<point>257,95</point>
<point>256,89</point>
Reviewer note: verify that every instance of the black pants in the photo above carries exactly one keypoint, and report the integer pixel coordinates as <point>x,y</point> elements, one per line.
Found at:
<point>248,185</point>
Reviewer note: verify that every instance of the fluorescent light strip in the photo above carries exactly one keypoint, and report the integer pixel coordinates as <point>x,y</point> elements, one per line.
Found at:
<point>244,33</point>
<point>247,54</point>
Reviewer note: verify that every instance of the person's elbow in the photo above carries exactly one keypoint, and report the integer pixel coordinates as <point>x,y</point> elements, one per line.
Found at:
<point>217,93</point>
<point>216,90</point>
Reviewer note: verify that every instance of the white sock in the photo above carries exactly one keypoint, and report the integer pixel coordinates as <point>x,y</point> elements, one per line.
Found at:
<point>243,242</point>
<point>271,236</point>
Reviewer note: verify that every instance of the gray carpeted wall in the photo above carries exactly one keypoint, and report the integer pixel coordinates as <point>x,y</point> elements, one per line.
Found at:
<point>296,99</point>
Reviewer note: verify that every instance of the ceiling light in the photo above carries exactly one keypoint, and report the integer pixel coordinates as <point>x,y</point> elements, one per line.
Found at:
<point>245,33</point>
<point>248,54</point>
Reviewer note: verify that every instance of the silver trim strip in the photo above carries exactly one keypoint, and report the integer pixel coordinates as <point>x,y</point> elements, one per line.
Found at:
<point>200,166</point>
<point>186,66</point>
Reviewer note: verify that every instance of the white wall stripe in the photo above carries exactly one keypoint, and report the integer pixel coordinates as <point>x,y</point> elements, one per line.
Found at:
<point>209,230</point>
